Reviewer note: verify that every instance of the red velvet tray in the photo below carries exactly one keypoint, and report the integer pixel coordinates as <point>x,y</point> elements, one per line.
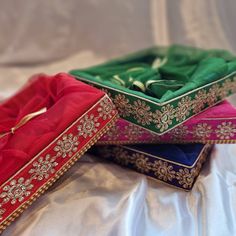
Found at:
<point>44,129</point>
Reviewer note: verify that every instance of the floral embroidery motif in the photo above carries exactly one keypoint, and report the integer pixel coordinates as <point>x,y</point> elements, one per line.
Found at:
<point>154,138</point>
<point>106,91</point>
<point>195,171</point>
<point>141,162</point>
<point>67,145</point>
<point>163,171</point>
<point>163,118</point>
<point>88,126</point>
<point>16,190</point>
<point>122,105</point>
<point>121,156</point>
<point>202,130</point>
<point>183,109</point>
<point>142,112</point>
<point>229,85</point>
<point>226,87</point>
<point>106,109</point>
<point>179,132</point>
<point>185,177</point>
<point>199,101</point>
<point>43,167</point>
<point>131,132</point>
<point>213,93</point>
<point>113,133</point>
<point>2,211</point>
<point>21,190</point>
<point>226,130</point>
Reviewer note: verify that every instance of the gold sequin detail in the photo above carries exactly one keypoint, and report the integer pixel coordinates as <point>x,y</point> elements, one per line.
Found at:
<point>226,130</point>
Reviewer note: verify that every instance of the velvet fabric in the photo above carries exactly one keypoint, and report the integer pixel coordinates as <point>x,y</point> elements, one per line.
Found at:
<point>179,153</point>
<point>45,129</point>
<point>65,99</point>
<point>164,73</point>
<point>176,165</point>
<point>215,125</point>
<point>162,87</point>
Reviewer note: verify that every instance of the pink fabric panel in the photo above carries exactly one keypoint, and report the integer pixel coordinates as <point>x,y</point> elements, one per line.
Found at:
<point>215,125</point>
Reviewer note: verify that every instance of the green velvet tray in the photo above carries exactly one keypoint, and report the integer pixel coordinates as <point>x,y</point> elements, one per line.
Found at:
<point>161,87</point>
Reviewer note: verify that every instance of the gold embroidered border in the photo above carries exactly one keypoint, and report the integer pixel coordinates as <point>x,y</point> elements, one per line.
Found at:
<point>148,100</point>
<point>206,146</point>
<point>58,137</point>
<point>100,143</point>
<point>167,184</point>
<point>199,133</point>
<point>163,118</point>
<point>61,171</point>
<point>161,168</point>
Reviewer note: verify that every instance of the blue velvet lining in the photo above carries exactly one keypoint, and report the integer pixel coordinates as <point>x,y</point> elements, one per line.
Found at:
<point>185,154</point>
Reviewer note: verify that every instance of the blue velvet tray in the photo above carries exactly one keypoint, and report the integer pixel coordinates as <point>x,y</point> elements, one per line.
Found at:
<point>177,165</point>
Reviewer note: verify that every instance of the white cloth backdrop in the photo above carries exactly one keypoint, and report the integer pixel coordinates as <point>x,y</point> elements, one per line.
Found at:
<point>96,197</point>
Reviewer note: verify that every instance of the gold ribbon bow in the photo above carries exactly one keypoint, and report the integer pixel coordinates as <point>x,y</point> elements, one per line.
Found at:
<point>23,121</point>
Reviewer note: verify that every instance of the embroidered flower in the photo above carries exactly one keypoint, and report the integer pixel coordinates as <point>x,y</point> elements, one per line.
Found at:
<point>196,171</point>
<point>212,94</point>
<point>229,86</point>
<point>202,130</point>
<point>141,163</point>
<point>226,130</point>
<point>122,105</point>
<point>132,132</point>
<point>183,109</point>
<point>154,138</point>
<point>122,156</point>
<point>112,134</point>
<point>107,92</point>
<point>88,126</point>
<point>163,170</point>
<point>142,112</point>
<point>163,119</point>
<point>68,145</point>
<point>106,109</point>
<point>43,167</point>
<point>225,88</point>
<point>199,101</point>
<point>179,133</point>
<point>2,211</point>
<point>16,190</point>
<point>185,177</point>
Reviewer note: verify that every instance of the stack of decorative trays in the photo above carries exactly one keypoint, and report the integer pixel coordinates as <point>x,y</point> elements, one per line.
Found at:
<point>171,108</point>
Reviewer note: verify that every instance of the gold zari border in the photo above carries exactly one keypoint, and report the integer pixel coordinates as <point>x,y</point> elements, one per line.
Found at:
<point>168,115</point>
<point>163,169</point>
<point>59,173</point>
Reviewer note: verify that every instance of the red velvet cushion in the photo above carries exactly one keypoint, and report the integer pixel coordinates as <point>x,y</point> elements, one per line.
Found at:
<point>65,99</point>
